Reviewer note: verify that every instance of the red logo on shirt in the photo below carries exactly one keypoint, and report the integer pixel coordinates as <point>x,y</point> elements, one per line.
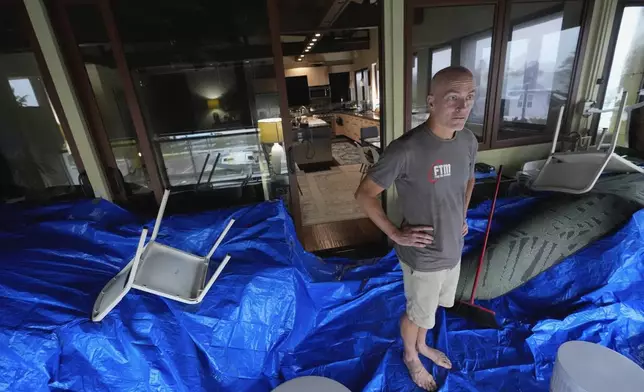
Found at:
<point>439,170</point>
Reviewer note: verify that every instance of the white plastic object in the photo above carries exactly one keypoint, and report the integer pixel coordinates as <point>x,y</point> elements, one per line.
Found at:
<point>590,367</point>
<point>115,289</point>
<point>577,172</point>
<point>162,270</point>
<point>311,384</point>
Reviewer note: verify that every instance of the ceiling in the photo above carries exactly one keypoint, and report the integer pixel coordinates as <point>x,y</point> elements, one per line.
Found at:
<point>162,32</point>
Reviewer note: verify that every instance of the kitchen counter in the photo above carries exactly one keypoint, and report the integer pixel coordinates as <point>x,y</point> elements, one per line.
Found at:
<point>312,143</point>
<point>353,122</point>
<point>366,115</point>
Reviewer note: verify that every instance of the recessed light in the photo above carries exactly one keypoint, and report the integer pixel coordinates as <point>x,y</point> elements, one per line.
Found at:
<point>314,39</point>
<point>317,34</point>
<point>307,49</point>
<point>298,59</point>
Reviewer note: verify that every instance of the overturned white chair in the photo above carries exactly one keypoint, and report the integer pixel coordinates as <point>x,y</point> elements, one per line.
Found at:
<point>162,270</point>
<point>577,172</point>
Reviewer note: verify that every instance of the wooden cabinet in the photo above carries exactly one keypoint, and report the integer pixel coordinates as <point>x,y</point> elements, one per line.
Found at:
<point>315,76</point>
<point>337,128</point>
<point>318,76</point>
<point>352,124</point>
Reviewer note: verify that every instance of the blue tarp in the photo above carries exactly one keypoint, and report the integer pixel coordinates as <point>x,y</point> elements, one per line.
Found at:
<point>278,312</point>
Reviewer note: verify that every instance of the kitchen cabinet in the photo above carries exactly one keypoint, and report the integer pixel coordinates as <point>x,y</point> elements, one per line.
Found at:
<point>316,76</point>
<point>352,124</point>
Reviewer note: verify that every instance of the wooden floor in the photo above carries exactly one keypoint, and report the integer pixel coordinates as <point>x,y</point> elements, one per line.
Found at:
<point>339,234</point>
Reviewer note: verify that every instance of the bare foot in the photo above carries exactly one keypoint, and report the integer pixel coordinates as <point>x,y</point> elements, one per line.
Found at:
<point>420,375</point>
<point>438,357</point>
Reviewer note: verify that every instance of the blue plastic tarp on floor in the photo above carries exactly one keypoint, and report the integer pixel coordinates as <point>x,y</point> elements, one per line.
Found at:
<point>278,312</point>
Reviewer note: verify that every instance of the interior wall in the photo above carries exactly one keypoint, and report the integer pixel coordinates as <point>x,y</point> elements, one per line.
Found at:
<point>210,84</point>
<point>364,58</point>
<point>340,68</point>
<point>513,158</point>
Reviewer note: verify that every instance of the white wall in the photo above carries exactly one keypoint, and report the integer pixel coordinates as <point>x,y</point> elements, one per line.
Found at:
<point>513,158</point>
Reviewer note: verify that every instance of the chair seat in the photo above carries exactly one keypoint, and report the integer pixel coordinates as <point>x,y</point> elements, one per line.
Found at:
<point>171,273</point>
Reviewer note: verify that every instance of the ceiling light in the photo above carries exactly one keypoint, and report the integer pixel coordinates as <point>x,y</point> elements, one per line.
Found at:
<point>314,39</point>
<point>317,34</point>
<point>298,59</point>
<point>307,49</point>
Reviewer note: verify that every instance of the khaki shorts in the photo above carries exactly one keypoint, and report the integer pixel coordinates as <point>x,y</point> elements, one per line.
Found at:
<point>426,291</point>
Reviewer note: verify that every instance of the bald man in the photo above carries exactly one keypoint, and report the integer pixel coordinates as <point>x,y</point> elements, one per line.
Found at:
<point>432,167</point>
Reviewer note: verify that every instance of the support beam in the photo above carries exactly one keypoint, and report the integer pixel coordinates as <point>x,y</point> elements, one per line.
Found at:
<point>394,98</point>
<point>53,57</point>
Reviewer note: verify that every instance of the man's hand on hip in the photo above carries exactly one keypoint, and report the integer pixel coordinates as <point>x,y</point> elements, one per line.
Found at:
<point>418,236</point>
<point>466,228</point>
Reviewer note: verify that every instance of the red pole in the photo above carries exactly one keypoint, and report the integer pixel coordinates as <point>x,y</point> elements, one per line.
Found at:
<point>487,234</point>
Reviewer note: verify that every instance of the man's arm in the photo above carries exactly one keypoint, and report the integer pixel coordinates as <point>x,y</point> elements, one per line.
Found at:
<point>367,198</point>
<point>468,194</point>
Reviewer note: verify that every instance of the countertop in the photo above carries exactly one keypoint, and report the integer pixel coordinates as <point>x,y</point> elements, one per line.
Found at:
<point>366,115</point>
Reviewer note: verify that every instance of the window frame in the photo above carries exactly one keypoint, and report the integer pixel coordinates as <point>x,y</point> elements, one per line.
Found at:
<point>501,34</point>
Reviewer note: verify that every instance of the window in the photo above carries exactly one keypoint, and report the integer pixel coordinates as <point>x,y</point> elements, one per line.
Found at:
<point>466,41</point>
<point>476,52</point>
<point>538,65</point>
<point>23,92</point>
<point>36,161</point>
<point>441,58</point>
<point>625,74</point>
<point>535,63</point>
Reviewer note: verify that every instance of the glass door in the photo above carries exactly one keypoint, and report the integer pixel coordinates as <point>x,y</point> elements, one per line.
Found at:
<point>38,158</point>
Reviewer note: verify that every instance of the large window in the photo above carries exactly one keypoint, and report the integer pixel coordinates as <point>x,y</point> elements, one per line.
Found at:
<point>538,67</point>
<point>625,74</point>
<point>521,83</point>
<point>447,36</point>
<point>36,161</point>
<point>441,58</point>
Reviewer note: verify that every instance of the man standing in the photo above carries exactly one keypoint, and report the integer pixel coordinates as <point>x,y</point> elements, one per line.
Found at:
<point>433,169</point>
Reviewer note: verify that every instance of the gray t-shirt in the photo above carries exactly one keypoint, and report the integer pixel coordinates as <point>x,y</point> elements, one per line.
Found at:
<point>431,177</point>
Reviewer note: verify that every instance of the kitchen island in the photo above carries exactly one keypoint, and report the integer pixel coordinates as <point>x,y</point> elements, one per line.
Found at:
<point>312,144</point>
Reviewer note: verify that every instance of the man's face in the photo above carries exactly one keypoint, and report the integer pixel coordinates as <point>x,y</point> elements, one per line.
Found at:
<point>451,101</point>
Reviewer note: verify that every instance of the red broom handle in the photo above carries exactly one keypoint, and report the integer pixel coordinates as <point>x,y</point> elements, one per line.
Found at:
<point>487,234</point>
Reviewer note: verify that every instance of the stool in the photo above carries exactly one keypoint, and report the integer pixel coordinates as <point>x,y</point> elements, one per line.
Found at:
<point>589,367</point>
<point>311,384</point>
